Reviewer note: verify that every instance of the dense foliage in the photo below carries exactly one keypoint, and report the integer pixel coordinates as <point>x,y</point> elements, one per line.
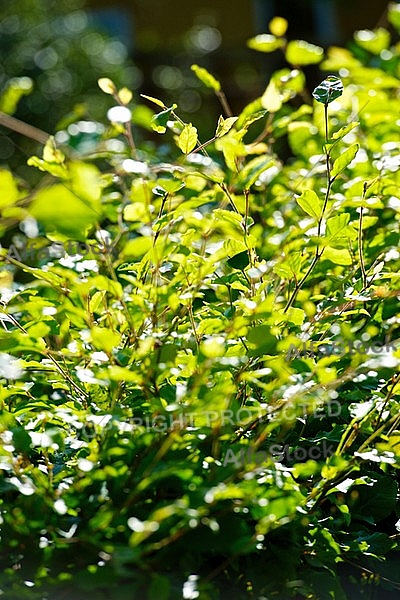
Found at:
<point>199,383</point>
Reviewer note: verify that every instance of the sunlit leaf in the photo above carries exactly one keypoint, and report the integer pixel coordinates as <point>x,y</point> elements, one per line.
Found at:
<point>15,89</point>
<point>8,189</point>
<point>187,139</point>
<point>51,153</point>
<point>301,53</point>
<point>160,120</point>
<point>265,42</point>
<point>344,160</point>
<point>278,26</point>
<point>106,85</point>
<point>125,95</point>
<point>159,103</point>
<point>393,14</point>
<point>339,256</point>
<point>373,40</point>
<point>310,203</point>
<point>271,98</point>
<point>225,125</point>
<point>206,78</point>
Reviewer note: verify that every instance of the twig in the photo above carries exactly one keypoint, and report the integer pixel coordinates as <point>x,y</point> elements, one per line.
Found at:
<point>24,128</point>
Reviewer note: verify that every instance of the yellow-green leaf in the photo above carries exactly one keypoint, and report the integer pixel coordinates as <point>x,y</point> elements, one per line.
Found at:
<point>159,121</point>
<point>278,26</point>
<point>225,125</point>
<point>50,152</point>
<point>136,211</point>
<point>265,43</point>
<point>339,256</point>
<point>106,85</point>
<point>14,90</point>
<point>58,170</point>
<point>104,339</point>
<point>205,77</point>
<point>271,98</point>
<point>8,189</point>
<point>154,100</point>
<point>136,248</point>
<point>310,203</point>
<point>299,52</point>
<point>187,140</point>
<point>96,302</point>
<point>344,160</point>
<point>338,135</point>
<point>373,40</point>
<point>125,95</point>
<point>60,210</point>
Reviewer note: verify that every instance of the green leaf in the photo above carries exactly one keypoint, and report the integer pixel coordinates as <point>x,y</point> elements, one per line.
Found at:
<point>261,339</point>
<point>338,135</point>
<point>8,189</point>
<point>377,501</point>
<point>278,26</point>
<point>338,230</point>
<point>373,40</point>
<point>160,120</point>
<point>224,125</point>
<point>135,249</point>
<point>310,203</point>
<point>61,210</point>
<point>339,256</point>
<point>51,153</point>
<point>300,53</point>
<point>265,42</point>
<point>330,89</point>
<point>167,186</point>
<point>393,14</point>
<point>232,148</point>
<point>159,103</point>
<point>104,339</point>
<point>344,160</point>
<point>187,140</point>
<point>97,302</point>
<point>246,120</point>
<point>21,439</point>
<point>252,171</point>
<point>15,89</point>
<point>205,77</point>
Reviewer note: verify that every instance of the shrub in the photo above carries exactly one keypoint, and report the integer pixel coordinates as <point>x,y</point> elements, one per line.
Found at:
<point>200,389</point>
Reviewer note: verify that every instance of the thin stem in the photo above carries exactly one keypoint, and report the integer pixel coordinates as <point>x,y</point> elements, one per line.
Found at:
<point>300,284</point>
<point>224,103</point>
<point>326,122</point>
<point>128,129</point>
<point>202,146</point>
<point>318,250</point>
<point>24,128</point>
<point>395,381</point>
<point>226,191</point>
<point>360,241</point>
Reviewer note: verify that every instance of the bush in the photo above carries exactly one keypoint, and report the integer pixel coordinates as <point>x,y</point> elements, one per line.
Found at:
<point>200,389</point>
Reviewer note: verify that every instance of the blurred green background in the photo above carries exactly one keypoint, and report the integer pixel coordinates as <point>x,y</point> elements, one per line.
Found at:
<point>52,53</point>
